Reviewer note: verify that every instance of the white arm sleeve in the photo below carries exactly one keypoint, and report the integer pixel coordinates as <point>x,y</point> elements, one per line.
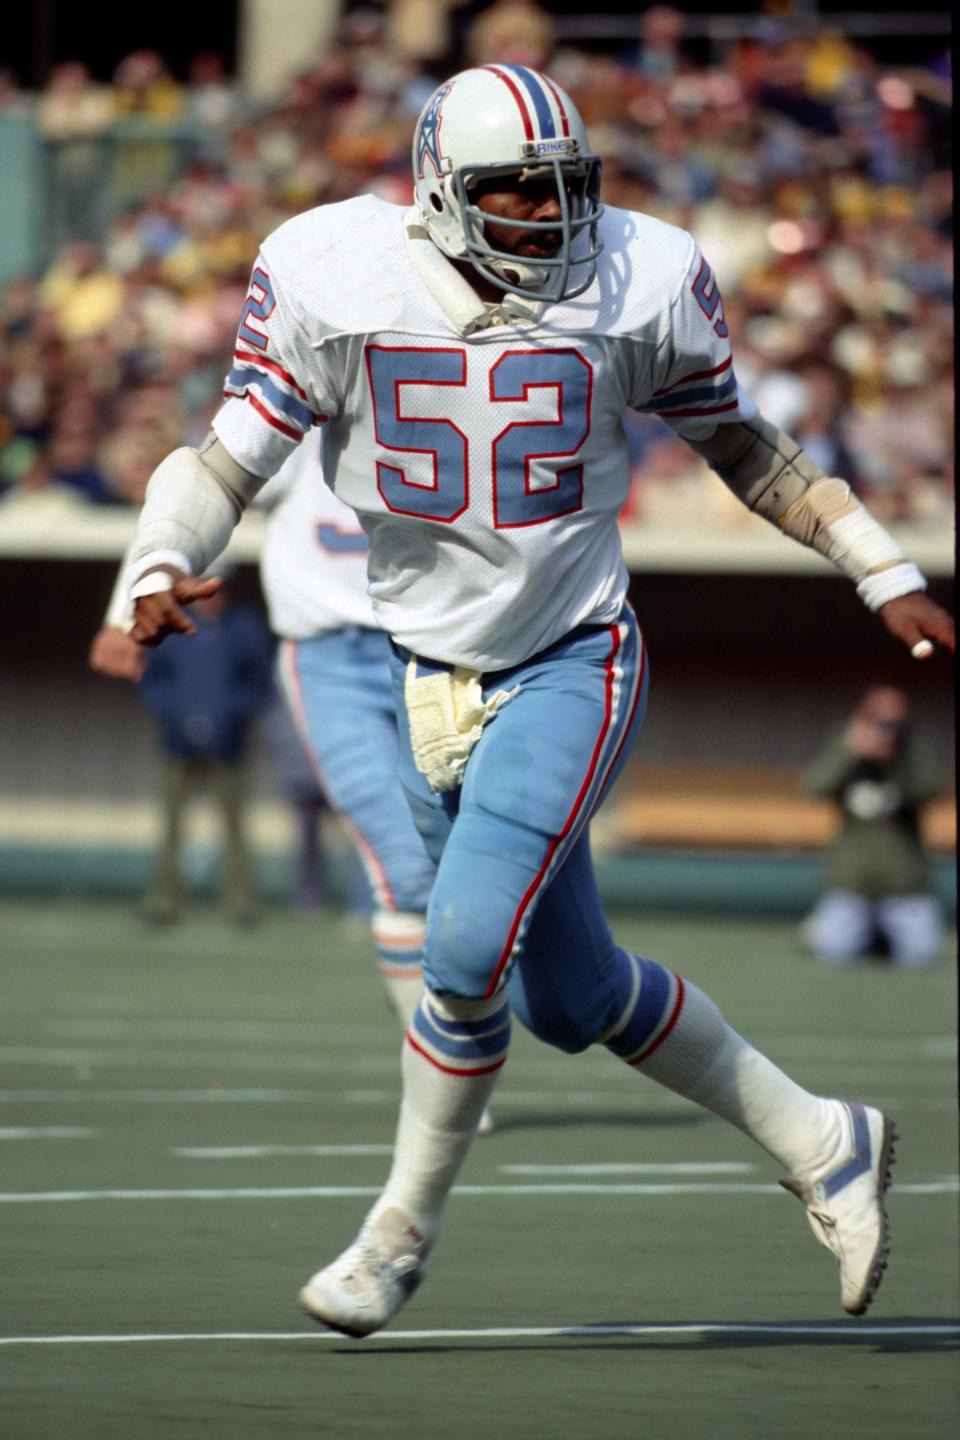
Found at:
<point>119,614</point>
<point>194,500</point>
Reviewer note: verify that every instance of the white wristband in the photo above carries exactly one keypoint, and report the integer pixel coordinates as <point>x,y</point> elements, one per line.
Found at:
<point>146,577</point>
<point>877,590</point>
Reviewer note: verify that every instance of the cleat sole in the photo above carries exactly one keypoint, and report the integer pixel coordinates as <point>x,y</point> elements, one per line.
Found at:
<point>887,1158</point>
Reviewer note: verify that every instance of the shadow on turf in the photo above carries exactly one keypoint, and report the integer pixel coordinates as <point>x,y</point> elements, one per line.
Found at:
<point>633,1120</point>
<point>792,1335</point>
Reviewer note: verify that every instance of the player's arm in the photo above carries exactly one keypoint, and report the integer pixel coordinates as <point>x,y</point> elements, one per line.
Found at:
<point>774,477</point>
<point>692,384</point>
<point>194,500</point>
<point>113,651</point>
<point>196,497</point>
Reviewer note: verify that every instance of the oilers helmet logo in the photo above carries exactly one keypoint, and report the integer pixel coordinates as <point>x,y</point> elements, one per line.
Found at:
<point>428,134</point>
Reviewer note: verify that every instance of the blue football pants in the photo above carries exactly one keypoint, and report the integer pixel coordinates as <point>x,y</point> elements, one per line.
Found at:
<point>515,901</point>
<point>339,689</point>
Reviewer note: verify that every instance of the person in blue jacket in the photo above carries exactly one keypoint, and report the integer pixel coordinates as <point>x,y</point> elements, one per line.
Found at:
<point>204,693</point>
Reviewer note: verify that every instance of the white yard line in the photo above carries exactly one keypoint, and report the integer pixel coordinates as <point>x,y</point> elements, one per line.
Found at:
<point>47,1132</point>
<point>850,1330</point>
<point>949,1185</point>
<point>249,1032</point>
<point>627,1099</point>
<point>645,1167</point>
<point>254,1152</point>
<point>834,1047</point>
<point>935,1047</point>
<point>141,1056</point>
<point>315,1033</point>
<point>209,1095</point>
<point>321,1060</point>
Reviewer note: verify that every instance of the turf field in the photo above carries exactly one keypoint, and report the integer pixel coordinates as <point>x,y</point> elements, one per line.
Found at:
<point>195,1120</point>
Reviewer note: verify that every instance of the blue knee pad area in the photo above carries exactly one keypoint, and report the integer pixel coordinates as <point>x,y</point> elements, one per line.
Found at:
<point>656,1003</point>
<point>571,1005</point>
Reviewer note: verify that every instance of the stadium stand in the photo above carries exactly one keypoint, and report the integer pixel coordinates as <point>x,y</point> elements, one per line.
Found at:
<point>814,171</point>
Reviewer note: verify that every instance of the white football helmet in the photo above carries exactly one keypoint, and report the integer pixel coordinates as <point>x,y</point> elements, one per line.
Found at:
<point>508,120</point>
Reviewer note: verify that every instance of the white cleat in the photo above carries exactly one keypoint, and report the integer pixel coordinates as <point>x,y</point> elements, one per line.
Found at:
<point>359,1292</point>
<point>845,1205</point>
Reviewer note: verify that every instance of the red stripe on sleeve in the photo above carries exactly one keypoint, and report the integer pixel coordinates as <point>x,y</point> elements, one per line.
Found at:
<point>709,410</point>
<point>264,363</point>
<point>697,375</point>
<point>272,419</point>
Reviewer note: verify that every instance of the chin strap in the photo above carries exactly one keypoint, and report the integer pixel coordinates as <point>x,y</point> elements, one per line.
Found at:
<point>453,292</point>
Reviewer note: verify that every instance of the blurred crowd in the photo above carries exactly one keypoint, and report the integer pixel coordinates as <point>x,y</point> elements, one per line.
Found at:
<point>816,179</point>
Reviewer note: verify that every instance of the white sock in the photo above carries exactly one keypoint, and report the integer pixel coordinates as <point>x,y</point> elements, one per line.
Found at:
<point>688,1047</point>
<point>398,936</point>
<point>404,991</point>
<point>453,1054</point>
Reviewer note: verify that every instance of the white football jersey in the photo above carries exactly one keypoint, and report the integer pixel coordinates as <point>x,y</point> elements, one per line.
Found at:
<point>313,566</point>
<point>488,470</point>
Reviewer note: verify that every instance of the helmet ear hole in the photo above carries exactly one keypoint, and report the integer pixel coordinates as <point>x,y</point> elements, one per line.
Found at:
<point>436,201</point>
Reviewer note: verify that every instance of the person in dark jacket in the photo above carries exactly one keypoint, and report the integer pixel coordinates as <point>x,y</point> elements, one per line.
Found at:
<point>878,882</point>
<point>204,691</point>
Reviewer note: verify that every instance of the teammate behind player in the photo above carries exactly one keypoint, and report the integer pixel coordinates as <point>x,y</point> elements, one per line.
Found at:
<point>333,667</point>
<point>335,675</point>
<point>470,361</point>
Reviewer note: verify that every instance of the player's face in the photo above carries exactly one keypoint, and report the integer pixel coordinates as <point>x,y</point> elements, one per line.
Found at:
<point>520,200</point>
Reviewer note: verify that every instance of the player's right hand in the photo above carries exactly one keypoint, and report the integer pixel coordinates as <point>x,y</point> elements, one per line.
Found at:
<point>161,614</point>
<point>114,653</point>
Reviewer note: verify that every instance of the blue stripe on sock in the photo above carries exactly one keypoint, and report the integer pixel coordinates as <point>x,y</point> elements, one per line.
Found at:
<point>464,1039</point>
<point>648,1010</point>
<point>399,959</point>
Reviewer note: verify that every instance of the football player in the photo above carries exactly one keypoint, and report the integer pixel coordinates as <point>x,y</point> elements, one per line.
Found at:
<point>470,360</point>
<point>333,667</point>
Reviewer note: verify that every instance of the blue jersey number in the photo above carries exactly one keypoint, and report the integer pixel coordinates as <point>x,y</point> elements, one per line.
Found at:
<point>445,494</point>
<point>707,295</point>
<point>520,495</point>
<point>259,305</point>
<point>516,501</point>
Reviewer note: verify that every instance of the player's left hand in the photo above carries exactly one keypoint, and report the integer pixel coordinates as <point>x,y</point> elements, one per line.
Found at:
<point>920,623</point>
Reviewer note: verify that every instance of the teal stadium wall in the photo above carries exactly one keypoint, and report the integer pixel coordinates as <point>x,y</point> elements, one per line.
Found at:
<point>745,671</point>
<point>21,227</point>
